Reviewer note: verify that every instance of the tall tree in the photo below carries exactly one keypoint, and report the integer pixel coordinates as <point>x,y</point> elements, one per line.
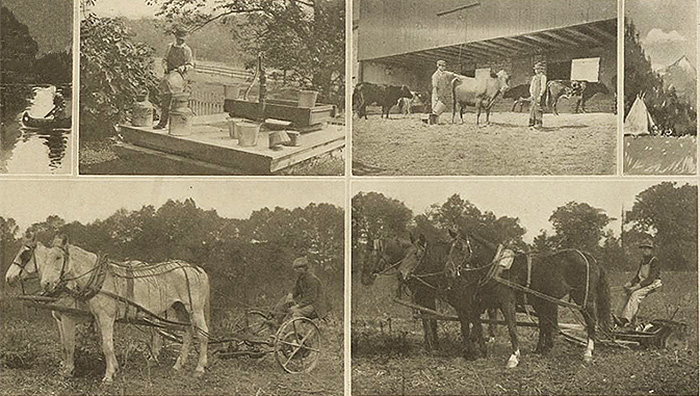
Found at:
<point>17,52</point>
<point>113,70</point>
<point>460,214</point>
<point>669,213</point>
<point>305,38</point>
<point>376,216</point>
<point>579,226</point>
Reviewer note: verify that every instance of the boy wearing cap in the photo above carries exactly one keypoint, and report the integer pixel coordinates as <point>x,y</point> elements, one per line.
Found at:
<point>647,279</point>
<point>307,298</point>
<point>178,58</point>
<point>538,87</point>
<point>442,91</point>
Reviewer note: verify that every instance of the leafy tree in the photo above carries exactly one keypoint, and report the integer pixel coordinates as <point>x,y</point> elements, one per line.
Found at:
<point>544,242</point>
<point>376,216</point>
<point>669,213</point>
<point>55,68</point>
<point>17,52</point>
<point>113,70</point>
<point>459,214</point>
<point>305,38</point>
<point>579,226</point>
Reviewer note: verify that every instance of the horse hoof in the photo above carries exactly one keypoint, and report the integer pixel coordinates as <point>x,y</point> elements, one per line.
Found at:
<point>177,367</point>
<point>511,364</point>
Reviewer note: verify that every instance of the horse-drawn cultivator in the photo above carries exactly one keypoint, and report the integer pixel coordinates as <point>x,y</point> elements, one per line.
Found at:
<point>295,343</point>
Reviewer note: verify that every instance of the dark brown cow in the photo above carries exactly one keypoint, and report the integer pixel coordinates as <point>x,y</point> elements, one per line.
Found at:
<point>520,95</point>
<point>386,96</point>
<point>480,92</point>
<point>582,90</point>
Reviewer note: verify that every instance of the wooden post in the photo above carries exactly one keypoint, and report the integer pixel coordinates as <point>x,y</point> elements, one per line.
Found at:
<point>263,90</point>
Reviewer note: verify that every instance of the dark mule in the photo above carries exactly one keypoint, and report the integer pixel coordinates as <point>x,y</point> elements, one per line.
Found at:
<point>382,258</point>
<point>552,276</point>
<point>431,268</point>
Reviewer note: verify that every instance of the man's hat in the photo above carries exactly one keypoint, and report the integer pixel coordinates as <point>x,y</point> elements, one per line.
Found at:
<point>300,262</point>
<point>540,65</point>
<point>441,63</point>
<point>646,244</point>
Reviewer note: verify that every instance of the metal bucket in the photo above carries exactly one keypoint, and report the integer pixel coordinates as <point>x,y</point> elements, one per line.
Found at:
<point>232,129</point>
<point>307,98</point>
<point>247,134</point>
<point>180,122</point>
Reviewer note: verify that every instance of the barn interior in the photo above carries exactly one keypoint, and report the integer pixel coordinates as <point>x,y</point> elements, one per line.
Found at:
<point>399,42</point>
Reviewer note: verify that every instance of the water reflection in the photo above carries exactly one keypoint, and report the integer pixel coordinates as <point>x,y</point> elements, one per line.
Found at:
<point>35,151</point>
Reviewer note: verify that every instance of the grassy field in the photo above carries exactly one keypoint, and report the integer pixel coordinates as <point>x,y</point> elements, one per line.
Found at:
<point>659,155</point>
<point>388,357</point>
<point>570,144</point>
<point>30,356</point>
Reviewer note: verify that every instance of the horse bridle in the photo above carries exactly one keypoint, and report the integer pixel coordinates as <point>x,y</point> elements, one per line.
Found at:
<point>466,246</point>
<point>378,247</point>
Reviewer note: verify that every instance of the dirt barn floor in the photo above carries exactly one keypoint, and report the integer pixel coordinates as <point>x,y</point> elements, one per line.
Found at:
<point>569,144</point>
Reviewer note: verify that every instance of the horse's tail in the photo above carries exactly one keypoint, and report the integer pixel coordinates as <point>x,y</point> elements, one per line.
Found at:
<point>603,301</point>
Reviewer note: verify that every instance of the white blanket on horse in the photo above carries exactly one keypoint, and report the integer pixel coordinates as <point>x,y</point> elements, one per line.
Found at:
<point>139,269</point>
<point>504,257</point>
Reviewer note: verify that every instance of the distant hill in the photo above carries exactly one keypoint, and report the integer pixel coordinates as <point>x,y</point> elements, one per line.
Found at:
<point>214,42</point>
<point>50,22</point>
<point>681,74</point>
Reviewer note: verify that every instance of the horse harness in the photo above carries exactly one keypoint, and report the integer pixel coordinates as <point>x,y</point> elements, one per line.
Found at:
<point>98,275</point>
<point>378,246</point>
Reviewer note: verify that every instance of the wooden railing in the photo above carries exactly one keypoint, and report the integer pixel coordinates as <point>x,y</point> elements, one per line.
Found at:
<point>207,102</point>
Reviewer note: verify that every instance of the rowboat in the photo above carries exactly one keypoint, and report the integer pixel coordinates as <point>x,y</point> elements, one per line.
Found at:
<point>45,123</point>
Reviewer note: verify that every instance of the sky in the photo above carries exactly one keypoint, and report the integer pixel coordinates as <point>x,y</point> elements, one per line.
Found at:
<point>132,9</point>
<point>87,200</point>
<point>532,201</point>
<point>668,29</point>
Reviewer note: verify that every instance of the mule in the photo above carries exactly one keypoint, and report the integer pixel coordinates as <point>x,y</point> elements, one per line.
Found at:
<point>112,291</point>
<point>386,255</point>
<point>552,276</point>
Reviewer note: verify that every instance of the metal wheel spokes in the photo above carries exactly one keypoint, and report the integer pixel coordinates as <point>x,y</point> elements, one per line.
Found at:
<point>298,346</point>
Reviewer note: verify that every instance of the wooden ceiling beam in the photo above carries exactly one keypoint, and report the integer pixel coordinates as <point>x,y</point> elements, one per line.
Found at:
<point>582,35</point>
<point>560,37</point>
<point>604,33</point>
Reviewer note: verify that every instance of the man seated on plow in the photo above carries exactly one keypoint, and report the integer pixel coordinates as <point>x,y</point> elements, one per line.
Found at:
<point>307,299</point>
<point>646,281</point>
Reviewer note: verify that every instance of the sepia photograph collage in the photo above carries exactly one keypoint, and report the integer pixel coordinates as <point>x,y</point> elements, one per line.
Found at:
<point>349,197</point>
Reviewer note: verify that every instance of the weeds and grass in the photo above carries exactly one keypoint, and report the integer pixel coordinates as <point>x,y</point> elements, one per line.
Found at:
<point>32,335</point>
<point>391,359</point>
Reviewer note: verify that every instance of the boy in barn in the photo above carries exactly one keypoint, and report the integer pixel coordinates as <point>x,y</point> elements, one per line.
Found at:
<point>538,87</point>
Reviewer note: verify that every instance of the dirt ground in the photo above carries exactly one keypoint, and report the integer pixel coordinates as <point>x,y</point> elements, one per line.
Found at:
<point>569,144</point>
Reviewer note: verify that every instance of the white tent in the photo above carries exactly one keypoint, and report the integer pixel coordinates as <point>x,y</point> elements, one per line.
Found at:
<point>638,121</point>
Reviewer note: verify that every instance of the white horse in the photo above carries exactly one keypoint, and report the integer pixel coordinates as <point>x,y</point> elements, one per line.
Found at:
<point>112,291</point>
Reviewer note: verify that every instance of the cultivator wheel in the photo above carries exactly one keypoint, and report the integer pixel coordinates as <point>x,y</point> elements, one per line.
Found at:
<point>298,345</point>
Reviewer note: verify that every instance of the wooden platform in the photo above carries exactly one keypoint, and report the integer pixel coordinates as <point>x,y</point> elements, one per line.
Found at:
<point>209,143</point>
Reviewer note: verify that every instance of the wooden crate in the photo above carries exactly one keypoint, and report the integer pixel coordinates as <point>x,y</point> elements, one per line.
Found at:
<point>300,117</point>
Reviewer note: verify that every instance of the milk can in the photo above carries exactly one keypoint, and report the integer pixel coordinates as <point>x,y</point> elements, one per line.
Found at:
<point>142,111</point>
<point>180,115</point>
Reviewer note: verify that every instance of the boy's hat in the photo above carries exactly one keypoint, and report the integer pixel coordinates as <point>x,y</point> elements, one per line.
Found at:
<point>441,63</point>
<point>540,65</point>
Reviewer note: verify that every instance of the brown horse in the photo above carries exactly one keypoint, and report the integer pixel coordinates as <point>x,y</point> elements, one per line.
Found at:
<point>112,291</point>
<point>550,277</point>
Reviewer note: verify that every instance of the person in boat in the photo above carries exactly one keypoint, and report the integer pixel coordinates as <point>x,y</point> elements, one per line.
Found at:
<point>60,108</point>
<point>179,59</point>
<point>307,299</point>
<point>646,280</point>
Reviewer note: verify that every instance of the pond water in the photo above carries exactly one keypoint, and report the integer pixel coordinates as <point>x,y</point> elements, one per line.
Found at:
<point>35,151</point>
